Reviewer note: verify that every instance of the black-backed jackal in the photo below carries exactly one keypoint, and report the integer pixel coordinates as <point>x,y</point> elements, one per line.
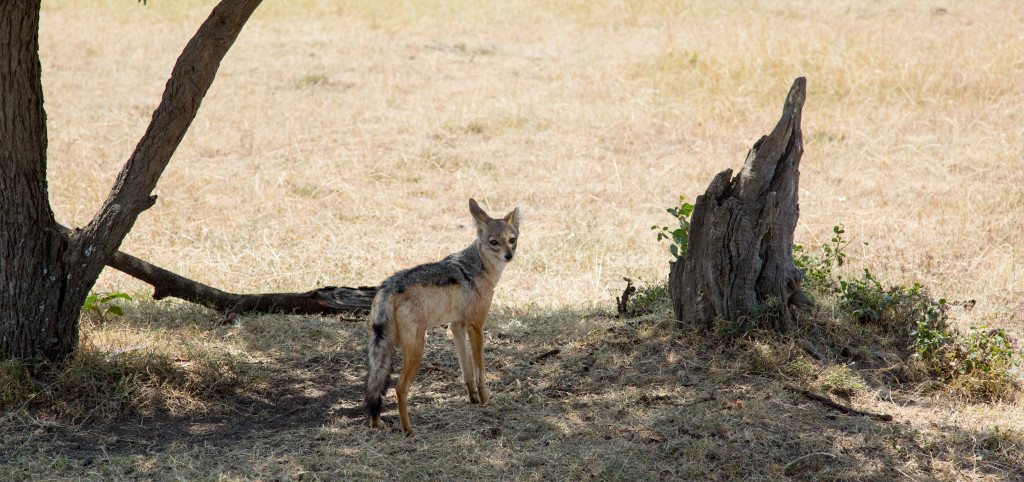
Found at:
<point>456,290</point>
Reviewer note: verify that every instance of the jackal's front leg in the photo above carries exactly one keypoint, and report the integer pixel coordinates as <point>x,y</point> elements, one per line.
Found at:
<point>465,360</point>
<point>476,341</point>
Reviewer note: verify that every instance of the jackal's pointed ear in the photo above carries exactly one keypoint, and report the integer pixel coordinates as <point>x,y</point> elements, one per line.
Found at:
<point>479,216</point>
<point>513,218</point>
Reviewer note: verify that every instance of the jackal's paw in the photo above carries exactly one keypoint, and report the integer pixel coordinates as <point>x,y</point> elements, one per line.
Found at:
<point>473,398</point>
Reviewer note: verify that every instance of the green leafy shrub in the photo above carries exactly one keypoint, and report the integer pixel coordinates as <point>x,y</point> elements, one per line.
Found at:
<point>822,271</point>
<point>679,236</point>
<point>864,298</point>
<point>100,305</point>
<point>978,364</point>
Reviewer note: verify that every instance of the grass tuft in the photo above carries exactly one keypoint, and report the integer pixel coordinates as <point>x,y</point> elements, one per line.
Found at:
<point>102,384</point>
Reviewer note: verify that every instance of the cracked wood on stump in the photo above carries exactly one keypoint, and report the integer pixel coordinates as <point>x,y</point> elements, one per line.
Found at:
<point>740,252</point>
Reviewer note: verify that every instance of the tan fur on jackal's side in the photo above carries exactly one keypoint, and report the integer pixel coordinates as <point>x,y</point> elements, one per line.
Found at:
<point>456,290</point>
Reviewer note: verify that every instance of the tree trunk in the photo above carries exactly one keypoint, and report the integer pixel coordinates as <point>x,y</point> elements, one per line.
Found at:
<point>31,249</point>
<point>47,273</point>
<point>740,254</point>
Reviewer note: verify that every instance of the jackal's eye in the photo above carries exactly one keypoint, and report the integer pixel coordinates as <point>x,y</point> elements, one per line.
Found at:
<point>494,242</point>
<point>511,240</point>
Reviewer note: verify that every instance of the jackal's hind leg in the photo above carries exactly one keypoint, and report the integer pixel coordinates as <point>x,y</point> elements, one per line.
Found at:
<point>412,354</point>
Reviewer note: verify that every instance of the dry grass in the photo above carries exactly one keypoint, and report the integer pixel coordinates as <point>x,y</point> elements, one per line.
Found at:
<point>341,140</point>
<point>622,399</point>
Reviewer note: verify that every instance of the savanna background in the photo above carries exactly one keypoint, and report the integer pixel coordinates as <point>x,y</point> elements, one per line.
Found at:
<point>340,142</point>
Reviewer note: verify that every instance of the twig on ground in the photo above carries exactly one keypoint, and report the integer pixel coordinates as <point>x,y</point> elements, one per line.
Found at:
<point>547,354</point>
<point>828,402</point>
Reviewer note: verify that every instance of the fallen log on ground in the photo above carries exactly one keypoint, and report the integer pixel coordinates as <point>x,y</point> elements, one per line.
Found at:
<point>329,300</point>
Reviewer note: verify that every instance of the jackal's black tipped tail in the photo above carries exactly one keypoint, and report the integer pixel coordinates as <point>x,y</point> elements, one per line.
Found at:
<point>380,354</point>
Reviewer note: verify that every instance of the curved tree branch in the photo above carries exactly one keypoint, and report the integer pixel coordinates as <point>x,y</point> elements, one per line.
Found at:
<point>191,78</point>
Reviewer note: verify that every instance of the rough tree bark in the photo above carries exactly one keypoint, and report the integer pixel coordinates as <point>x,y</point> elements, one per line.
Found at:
<point>47,273</point>
<point>740,252</point>
<point>30,260</point>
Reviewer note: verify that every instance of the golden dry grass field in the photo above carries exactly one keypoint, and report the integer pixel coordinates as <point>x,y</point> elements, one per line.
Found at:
<point>341,140</point>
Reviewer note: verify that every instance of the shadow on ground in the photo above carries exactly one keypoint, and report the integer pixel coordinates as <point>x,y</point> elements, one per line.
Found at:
<point>575,394</point>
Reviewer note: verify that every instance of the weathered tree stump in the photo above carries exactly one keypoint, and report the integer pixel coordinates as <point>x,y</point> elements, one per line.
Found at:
<point>740,252</point>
